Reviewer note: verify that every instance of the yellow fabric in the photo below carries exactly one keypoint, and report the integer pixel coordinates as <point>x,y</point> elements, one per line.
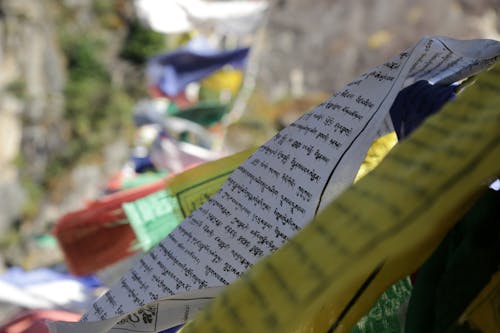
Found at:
<point>376,232</point>
<point>484,312</point>
<point>194,186</point>
<point>224,79</point>
<point>376,153</point>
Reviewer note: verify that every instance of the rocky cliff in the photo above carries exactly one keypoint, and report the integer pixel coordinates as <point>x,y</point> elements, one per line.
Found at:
<point>36,130</point>
<point>32,79</point>
<point>321,45</point>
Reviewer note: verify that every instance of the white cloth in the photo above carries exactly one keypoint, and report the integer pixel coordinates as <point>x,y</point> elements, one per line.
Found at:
<point>176,16</point>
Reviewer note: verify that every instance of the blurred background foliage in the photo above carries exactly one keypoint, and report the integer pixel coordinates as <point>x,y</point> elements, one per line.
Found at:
<point>98,109</point>
<point>103,56</point>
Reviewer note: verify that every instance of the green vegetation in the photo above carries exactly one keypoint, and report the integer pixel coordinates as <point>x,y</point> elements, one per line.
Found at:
<point>103,79</point>
<point>17,88</point>
<point>106,13</point>
<point>141,43</point>
<point>34,195</point>
<point>97,108</point>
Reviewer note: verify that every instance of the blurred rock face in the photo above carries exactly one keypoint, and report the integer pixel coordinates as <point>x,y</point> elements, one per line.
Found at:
<point>31,96</point>
<point>33,128</point>
<point>321,45</point>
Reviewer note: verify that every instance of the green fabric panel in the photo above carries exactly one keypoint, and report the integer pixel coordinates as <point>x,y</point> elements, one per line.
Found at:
<point>153,217</point>
<point>143,179</point>
<point>384,316</point>
<point>457,271</point>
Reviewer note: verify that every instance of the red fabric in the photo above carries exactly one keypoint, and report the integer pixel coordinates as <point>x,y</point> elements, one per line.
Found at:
<point>155,92</point>
<point>33,321</point>
<point>180,99</point>
<point>99,235</point>
<point>115,183</point>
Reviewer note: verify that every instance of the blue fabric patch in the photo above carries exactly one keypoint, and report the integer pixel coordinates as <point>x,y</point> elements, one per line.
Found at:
<point>415,103</point>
